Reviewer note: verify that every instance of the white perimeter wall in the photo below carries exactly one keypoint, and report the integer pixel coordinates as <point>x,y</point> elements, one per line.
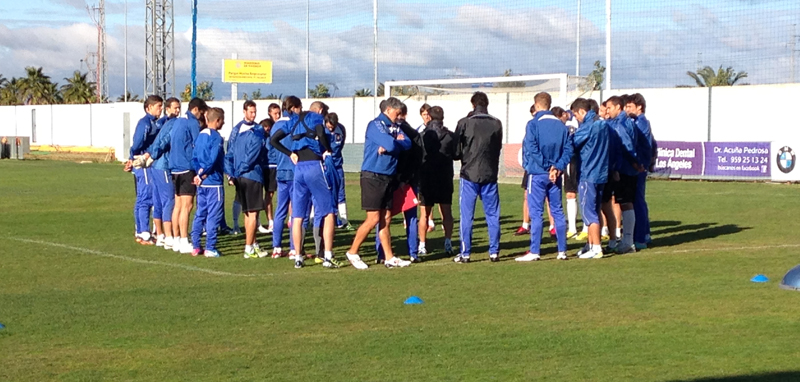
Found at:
<point>739,113</point>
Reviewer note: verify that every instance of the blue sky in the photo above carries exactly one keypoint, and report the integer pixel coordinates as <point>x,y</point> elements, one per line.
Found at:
<point>654,42</point>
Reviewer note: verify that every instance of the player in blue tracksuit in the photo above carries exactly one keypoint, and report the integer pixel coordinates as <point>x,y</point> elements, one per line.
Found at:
<point>164,191</point>
<point>285,179</point>
<point>309,143</point>
<point>144,135</point>
<point>479,141</point>
<point>635,107</point>
<point>208,161</point>
<point>590,143</point>
<point>382,144</point>
<point>181,147</point>
<point>627,169</point>
<point>547,151</point>
<point>338,137</point>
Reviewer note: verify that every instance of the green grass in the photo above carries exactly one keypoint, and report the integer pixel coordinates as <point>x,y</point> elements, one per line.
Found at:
<point>82,302</point>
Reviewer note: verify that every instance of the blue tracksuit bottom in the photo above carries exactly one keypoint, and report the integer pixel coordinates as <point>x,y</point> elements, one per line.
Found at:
<point>144,199</point>
<point>163,196</point>
<point>209,202</point>
<point>539,187</point>
<point>285,189</point>
<point>468,195</point>
<point>642,228</point>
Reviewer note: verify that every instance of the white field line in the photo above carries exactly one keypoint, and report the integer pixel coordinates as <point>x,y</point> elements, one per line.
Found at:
<point>440,263</point>
<point>135,260</point>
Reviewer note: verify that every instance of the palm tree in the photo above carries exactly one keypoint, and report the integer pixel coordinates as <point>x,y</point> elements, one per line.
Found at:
<point>9,92</point>
<point>130,97</point>
<point>78,89</point>
<point>319,91</point>
<point>36,88</point>
<point>707,77</point>
<point>363,92</point>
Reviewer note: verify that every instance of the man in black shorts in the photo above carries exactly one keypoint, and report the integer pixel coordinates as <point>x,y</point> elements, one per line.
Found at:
<point>382,145</point>
<point>270,173</point>
<point>248,177</point>
<point>628,168</point>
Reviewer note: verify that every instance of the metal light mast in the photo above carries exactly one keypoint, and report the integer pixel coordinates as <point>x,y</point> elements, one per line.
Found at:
<point>159,48</point>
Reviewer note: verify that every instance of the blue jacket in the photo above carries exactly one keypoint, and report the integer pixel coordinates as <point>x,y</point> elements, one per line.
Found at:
<point>644,141</point>
<point>624,144</point>
<point>591,143</point>
<point>336,138</point>
<point>382,133</point>
<point>229,148</point>
<point>208,157</point>
<point>184,133</point>
<point>284,163</point>
<point>546,144</point>
<point>247,155</point>
<point>304,133</point>
<point>144,135</point>
<point>160,148</point>
<point>273,155</point>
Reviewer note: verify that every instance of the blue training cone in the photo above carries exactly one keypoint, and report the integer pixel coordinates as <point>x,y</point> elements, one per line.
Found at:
<point>413,300</point>
<point>2,326</point>
<point>759,279</point>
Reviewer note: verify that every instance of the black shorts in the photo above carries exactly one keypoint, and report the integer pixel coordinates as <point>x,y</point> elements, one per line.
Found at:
<point>270,180</point>
<point>571,177</point>
<point>184,183</point>
<point>608,189</point>
<point>376,191</point>
<point>440,192</point>
<point>625,191</point>
<point>250,195</point>
<point>524,184</point>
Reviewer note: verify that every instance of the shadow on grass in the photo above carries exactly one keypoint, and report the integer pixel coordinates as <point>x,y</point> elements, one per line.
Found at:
<point>766,377</point>
<point>698,232</point>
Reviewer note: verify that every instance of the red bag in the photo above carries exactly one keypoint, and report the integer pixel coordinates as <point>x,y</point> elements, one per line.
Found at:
<point>404,199</point>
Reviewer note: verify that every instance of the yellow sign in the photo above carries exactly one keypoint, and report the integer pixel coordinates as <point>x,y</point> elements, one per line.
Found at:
<point>247,71</point>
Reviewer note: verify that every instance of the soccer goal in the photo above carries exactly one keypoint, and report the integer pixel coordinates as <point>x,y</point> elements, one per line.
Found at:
<point>562,87</point>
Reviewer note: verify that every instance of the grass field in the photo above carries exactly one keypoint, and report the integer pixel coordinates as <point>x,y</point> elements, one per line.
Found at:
<point>82,302</point>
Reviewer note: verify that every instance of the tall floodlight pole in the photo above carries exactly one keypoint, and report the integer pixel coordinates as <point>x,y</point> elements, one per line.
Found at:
<point>194,48</point>
<point>375,56</point>
<point>125,63</point>
<point>578,42</point>
<point>608,45</point>
<point>308,35</point>
<point>159,57</point>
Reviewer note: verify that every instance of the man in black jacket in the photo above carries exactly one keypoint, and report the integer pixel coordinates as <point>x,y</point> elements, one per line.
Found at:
<point>479,139</point>
<point>408,166</point>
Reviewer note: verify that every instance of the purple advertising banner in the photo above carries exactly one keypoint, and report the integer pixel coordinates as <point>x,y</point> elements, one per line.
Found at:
<point>737,159</point>
<point>679,158</point>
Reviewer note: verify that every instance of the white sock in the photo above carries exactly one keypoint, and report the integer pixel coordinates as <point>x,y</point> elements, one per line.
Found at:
<point>603,232</point>
<point>572,214</point>
<point>597,248</point>
<point>525,225</point>
<point>237,210</point>
<point>271,223</point>
<point>184,241</point>
<point>431,223</point>
<point>628,224</point>
<point>328,255</point>
<point>619,229</point>
<point>248,249</point>
<point>550,228</point>
<point>343,213</point>
<point>585,228</point>
<point>421,245</point>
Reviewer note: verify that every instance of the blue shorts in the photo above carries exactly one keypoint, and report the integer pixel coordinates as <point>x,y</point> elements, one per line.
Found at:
<point>310,185</point>
<point>590,196</point>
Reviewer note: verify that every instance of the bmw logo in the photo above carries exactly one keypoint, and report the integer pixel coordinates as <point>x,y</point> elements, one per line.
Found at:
<point>785,159</point>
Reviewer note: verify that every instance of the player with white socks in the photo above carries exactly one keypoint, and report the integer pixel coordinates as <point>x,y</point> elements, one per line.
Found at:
<point>546,153</point>
<point>628,168</point>
<point>590,143</point>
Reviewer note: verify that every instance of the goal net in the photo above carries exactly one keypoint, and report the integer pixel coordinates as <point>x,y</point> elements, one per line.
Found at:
<point>510,100</point>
